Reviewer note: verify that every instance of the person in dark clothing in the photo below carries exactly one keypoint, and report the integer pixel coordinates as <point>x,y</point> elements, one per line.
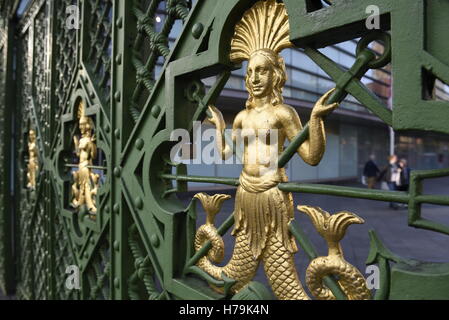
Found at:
<point>405,175</point>
<point>371,171</point>
<point>391,175</point>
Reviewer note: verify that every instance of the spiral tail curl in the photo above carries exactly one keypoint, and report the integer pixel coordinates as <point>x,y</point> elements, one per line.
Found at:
<point>351,280</point>
<point>333,228</point>
<point>242,266</point>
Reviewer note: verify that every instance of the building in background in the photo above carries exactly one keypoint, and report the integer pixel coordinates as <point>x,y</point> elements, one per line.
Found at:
<point>353,132</point>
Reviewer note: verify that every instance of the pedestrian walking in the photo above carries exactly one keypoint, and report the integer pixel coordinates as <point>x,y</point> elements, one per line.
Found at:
<point>371,172</point>
<point>405,175</point>
<point>391,174</point>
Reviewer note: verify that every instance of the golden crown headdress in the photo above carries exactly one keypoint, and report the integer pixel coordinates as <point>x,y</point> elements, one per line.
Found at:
<point>264,26</point>
<point>81,109</point>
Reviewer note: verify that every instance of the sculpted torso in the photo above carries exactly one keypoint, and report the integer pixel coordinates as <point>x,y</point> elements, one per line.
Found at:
<point>265,111</point>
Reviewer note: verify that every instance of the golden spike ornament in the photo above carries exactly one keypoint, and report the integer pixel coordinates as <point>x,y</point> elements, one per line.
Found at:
<point>262,211</point>
<point>86,182</point>
<point>33,162</point>
<point>333,228</point>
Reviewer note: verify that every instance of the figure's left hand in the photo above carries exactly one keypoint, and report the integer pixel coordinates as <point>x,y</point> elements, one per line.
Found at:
<point>321,109</point>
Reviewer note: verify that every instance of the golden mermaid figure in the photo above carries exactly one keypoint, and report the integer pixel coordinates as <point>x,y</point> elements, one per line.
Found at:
<point>262,211</point>
<point>85,186</point>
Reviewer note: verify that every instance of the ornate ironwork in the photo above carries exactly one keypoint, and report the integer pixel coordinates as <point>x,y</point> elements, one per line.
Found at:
<point>138,66</point>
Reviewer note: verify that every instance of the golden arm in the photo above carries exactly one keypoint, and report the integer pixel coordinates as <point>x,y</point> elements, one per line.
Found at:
<point>217,120</point>
<point>312,150</point>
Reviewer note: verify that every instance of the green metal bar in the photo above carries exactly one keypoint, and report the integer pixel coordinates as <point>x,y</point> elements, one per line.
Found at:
<point>212,94</point>
<point>430,174</point>
<point>430,225</point>
<point>90,167</point>
<point>311,252</point>
<point>356,72</point>
<point>218,180</point>
<point>433,199</point>
<point>355,88</point>
<point>350,192</point>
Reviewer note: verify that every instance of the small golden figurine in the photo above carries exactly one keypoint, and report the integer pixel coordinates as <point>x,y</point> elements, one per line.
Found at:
<point>262,211</point>
<point>33,163</point>
<point>84,189</point>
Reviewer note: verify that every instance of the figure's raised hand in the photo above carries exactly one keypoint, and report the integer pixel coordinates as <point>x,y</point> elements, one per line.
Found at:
<point>321,108</point>
<point>215,117</point>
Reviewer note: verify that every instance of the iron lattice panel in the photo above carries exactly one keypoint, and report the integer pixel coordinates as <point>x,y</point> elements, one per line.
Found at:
<point>98,44</point>
<point>63,256</point>
<point>142,283</point>
<point>41,70</point>
<point>98,273</point>
<point>65,55</point>
<point>152,44</point>
<point>39,249</point>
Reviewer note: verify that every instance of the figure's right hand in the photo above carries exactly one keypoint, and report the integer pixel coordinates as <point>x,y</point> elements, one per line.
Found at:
<point>216,117</point>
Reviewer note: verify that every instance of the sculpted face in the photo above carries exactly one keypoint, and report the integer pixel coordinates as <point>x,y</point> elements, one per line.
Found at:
<point>260,76</point>
<point>84,125</point>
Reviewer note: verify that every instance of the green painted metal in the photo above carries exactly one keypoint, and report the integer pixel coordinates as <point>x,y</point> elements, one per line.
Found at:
<point>6,109</point>
<point>141,244</point>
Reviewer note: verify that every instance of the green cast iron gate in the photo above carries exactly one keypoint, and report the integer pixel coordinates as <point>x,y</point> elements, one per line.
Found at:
<point>139,243</point>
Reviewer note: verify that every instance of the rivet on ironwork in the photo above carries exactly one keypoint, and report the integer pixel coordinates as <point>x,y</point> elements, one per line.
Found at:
<point>138,202</point>
<point>197,30</point>
<point>119,23</point>
<point>117,172</point>
<point>86,255</point>
<point>154,240</point>
<point>117,96</point>
<point>139,144</point>
<point>118,59</point>
<point>92,95</point>
<point>116,208</point>
<point>92,241</point>
<point>155,111</point>
<point>117,133</point>
<point>116,245</point>
<point>116,283</point>
<point>106,128</point>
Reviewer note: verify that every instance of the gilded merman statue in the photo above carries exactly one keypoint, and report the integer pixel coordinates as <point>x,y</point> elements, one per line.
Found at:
<point>85,186</point>
<point>262,211</point>
<point>33,163</point>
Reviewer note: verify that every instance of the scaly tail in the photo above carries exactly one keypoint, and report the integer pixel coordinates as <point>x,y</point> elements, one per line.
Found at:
<point>333,228</point>
<point>242,266</point>
<point>351,280</point>
<point>281,271</point>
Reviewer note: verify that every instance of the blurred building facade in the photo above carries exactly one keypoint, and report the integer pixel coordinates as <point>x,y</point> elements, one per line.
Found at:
<point>353,132</point>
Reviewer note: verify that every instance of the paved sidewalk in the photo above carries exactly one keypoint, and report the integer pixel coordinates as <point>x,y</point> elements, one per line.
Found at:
<point>390,225</point>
